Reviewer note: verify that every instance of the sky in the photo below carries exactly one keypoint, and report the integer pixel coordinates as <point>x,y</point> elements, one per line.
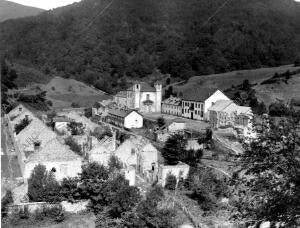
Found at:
<point>49,4</point>
<point>45,4</point>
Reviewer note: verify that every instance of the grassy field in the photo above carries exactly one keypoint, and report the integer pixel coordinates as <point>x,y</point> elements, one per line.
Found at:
<point>280,91</point>
<point>226,80</point>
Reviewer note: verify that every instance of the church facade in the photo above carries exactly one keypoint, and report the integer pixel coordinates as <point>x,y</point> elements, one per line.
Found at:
<point>140,96</point>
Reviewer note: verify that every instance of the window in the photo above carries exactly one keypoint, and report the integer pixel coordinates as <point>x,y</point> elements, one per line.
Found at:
<point>148,96</point>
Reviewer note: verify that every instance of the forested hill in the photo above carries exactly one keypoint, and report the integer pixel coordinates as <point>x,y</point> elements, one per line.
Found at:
<point>133,37</point>
<point>11,10</point>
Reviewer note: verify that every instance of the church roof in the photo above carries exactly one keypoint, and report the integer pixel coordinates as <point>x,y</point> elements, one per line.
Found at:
<point>145,87</point>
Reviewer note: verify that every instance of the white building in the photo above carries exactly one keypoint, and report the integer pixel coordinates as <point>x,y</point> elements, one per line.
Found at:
<point>125,118</point>
<point>140,153</point>
<point>141,96</point>
<point>56,157</point>
<point>196,102</point>
<point>172,106</point>
<point>61,123</point>
<point>177,126</point>
<point>180,171</point>
<point>226,113</point>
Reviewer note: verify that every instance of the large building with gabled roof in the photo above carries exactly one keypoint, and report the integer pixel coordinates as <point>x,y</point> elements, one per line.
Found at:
<point>196,102</point>
<point>140,96</point>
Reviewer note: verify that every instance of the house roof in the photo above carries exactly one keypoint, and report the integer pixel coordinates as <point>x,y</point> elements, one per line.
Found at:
<point>172,101</point>
<point>122,112</point>
<point>35,130</point>
<point>62,119</point>
<point>197,94</point>
<point>145,87</point>
<point>53,151</point>
<point>220,105</point>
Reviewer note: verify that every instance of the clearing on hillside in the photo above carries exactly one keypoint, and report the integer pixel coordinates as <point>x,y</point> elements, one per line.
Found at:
<point>226,80</point>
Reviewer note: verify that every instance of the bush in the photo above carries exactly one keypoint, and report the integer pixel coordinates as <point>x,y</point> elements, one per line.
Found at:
<point>53,88</point>
<point>297,61</point>
<point>171,182</point>
<point>21,125</point>
<point>5,201</point>
<point>161,121</point>
<point>114,164</point>
<point>73,145</point>
<point>75,105</point>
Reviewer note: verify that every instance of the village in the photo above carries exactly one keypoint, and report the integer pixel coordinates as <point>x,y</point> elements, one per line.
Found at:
<point>133,127</point>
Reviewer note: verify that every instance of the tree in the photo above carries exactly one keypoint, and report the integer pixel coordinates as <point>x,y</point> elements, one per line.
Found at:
<point>114,164</point>
<point>88,112</point>
<point>22,124</point>
<point>149,214</point>
<point>75,105</point>
<point>168,81</point>
<point>246,85</point>
<point>171,182</point>
<point>278,109</point>
<point>261,108</point>
<point>269,190</point>
<point>160,121</point>
<point>5,201</point>
<point>69,189</point>
<point>174,148</point>
<point>42,186</point>
<point>73,145</point>
<point>297,62</point>
<point>75,128</point>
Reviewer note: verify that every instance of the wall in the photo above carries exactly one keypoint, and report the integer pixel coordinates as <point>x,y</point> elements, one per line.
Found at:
<point>124,153</point>
<point>133,120</point>
<point>149,155</point>
<point>75,207</point>
<point>102,155</point>
<point>176,126</point>
<point>180,170</point>
<point>129,174</point>
<point>73,168</point>
<point>218,95</point>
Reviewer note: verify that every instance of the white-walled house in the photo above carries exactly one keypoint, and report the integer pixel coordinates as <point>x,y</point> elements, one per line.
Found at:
<point>196,102</point>
<point>172,106</point>
<point>61,123</point>
<point>140,96</point>
<point>177,126</point>
<point>125,118</point>
<point>56,157</point>
<point>180,170</point>
<point>140,153</point>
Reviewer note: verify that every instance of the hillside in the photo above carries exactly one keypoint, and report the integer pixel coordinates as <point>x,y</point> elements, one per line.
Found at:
<point>11,10</point>
<point>268,93</point>
<point>133,38</point>
<point>63,92</point>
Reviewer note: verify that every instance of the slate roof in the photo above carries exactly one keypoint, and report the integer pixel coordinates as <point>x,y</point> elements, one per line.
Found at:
<point>121,112</point>
<point>53,151</point>
<point>196,94</point>
<point>220,105</point>
<point>35,129</point>
<point>172,101</point>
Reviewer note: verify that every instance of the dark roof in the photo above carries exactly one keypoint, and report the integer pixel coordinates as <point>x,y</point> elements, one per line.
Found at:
<point>198,94</point>
<point>145,87</point>
<point>121,112</point>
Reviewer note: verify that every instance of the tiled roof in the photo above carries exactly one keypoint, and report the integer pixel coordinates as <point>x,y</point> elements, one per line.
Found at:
<point>230,107</point>
<point>53,151</point>
<point>197,94</point>
<point>172,101</point>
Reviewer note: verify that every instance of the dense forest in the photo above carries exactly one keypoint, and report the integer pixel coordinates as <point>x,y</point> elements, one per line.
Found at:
<point>132,38</point>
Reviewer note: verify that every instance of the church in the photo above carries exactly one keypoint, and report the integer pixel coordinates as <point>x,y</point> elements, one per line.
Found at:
<point>140,96</point>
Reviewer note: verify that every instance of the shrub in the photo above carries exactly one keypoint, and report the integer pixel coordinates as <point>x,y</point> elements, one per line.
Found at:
<point>171,182</point>
<point>21,125</point>
<point>297,61</point>
<point>161,121</point>
<point>75,105</point>
<point>53,88</point>
<point>114,164</point>
<point>5,201</point>
<point>73,145</point>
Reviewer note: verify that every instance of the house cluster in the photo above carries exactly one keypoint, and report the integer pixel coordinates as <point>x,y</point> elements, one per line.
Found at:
<point>37,144</point>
